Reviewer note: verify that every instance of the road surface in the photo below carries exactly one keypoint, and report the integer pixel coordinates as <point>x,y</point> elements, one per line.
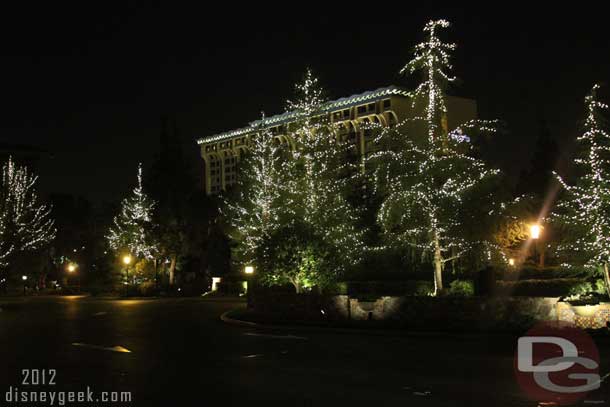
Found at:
<point>176,352</point>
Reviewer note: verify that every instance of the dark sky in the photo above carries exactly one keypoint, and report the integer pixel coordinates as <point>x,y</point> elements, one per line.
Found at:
<point>90,83</point>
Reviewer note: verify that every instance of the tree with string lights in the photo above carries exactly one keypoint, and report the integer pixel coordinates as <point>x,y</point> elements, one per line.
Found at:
<point>258,207</point>
<point>290,214</point>
<point>584,210</point>
<point>425,173</point>
<point>133,228</point>
<point>320,178</point>
<point>25,223</point>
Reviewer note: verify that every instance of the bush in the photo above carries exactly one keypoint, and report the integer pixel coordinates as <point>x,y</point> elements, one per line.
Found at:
<point>536,273</point>
<point>461,288</point>
<point>558,287</point>
<point>376,289</point>
<point>147,289</point>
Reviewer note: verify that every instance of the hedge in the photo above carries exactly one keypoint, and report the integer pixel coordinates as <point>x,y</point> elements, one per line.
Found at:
<point>558,287</point>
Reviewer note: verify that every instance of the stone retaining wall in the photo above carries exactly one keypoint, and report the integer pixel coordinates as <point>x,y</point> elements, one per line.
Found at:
<point>411,311</point>
<point>584,316</point>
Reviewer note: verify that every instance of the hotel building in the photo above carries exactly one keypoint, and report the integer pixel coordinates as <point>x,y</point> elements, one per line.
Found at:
<point>385,106</point>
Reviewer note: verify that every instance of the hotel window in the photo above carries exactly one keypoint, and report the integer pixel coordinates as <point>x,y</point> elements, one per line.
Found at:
<point>361,109</point>
<point>387,104</point>
<point>371,107</point>
<point>346,113</point>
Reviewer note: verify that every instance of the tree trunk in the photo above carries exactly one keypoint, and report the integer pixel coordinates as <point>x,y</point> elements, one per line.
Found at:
<point>438,266</point>
<point>172,270</point>
<point>607,279</point>
<point>297,286</point>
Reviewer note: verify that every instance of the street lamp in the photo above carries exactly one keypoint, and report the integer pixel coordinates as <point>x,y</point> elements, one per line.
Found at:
<point>71,268</point>
<point>535,231</point>
<point>127,261</point>
<point>24,278</point>
<point>511,262</point>
<point>249,270</point>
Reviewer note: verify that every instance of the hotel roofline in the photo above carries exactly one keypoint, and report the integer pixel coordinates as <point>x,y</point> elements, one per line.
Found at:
<point>288,117</point>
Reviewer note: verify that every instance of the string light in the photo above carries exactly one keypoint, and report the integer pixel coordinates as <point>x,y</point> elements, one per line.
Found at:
<point>25,223</point>
<point>584,209</point>
<point>298,181</point>
<point>132,228</point>
<point>424,180</point>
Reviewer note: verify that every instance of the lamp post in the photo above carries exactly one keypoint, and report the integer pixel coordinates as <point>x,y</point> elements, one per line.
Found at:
<point>24,278</point>
<point>249,272</point>
<point>71,269</point>
<point>127,262</point>
<point>535,233</point>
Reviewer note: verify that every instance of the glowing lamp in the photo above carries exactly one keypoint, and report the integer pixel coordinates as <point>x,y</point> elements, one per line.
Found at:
<point>127,259</point>
<point>24,278</point>
<point>249,270</point>
<point>511,262</point>
<point>535,231</point>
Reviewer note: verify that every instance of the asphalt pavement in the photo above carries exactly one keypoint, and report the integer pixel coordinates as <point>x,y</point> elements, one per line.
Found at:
<point>177,352</point>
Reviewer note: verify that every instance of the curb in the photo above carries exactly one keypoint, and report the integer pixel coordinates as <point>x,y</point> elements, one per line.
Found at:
<point>355,331</point>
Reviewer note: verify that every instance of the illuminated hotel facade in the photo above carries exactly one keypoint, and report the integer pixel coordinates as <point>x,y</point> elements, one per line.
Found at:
<point>385,106</point>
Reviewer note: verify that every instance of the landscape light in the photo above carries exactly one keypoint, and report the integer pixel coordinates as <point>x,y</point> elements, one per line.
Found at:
<point>127,259</point>
<point>249,270</point>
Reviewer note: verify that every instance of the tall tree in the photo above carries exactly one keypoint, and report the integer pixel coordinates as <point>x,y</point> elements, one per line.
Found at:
<point>425,173</point>
<point>585,209</point>
<point>171,185</point>
<point>258,207</point>
<point>537,178</point>
<point>319,183</point>
<point>25,223</point>
<point>133,226</point>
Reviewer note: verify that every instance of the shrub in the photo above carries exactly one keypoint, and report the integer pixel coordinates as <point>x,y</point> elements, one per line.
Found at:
<point>376,289</point>
<point>147,289</point>
<point>461,288</point>
<point>558,287</point>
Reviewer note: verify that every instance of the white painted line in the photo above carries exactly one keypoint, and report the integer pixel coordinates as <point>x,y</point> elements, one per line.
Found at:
<point>276,336</point>
<point>118,349</point>
<point>251,356</point>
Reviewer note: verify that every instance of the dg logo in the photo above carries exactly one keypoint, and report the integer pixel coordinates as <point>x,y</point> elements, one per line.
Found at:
<point>557,363</point>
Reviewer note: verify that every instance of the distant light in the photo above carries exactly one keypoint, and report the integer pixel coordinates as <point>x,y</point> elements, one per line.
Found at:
<point>127,259</point>
<point>249,270</point>
<point>179,289</point>
<point>215,282</point>
<point>24,278</point>
<point>535,231</point>
<point>511,262</point>
<point>71,267</point>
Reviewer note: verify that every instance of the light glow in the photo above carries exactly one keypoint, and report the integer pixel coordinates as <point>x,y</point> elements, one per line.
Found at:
<point>535,231</point>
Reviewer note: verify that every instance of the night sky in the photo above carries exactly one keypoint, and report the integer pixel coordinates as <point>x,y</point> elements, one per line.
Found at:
<point>90,84</point>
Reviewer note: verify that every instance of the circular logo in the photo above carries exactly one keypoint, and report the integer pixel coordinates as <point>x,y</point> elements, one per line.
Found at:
<point>556,362</point>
